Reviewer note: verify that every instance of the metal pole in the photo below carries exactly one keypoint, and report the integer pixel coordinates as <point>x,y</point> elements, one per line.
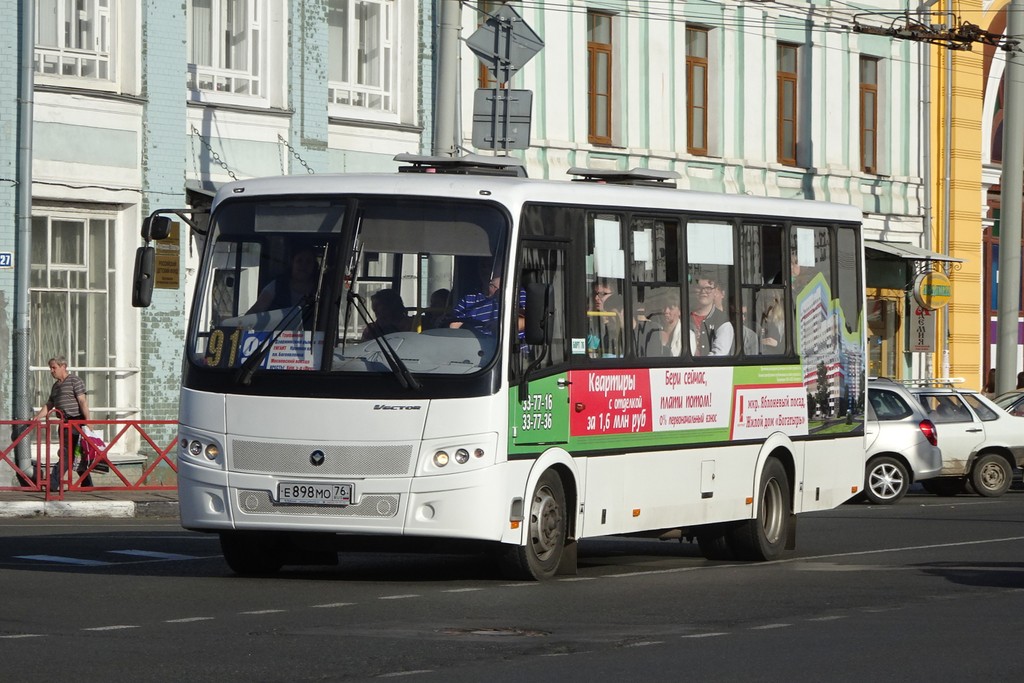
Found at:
<point>947,154</point>
<point>446,103</point>
<point>1011,184</point>
<point>23,240</point>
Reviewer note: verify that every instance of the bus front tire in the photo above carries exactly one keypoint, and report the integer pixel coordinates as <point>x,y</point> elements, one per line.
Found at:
<point>765,536</point>
<point>252,553</point>
<point>539,559</point>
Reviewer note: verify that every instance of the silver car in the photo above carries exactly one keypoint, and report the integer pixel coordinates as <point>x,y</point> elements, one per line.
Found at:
<point>902,443</point>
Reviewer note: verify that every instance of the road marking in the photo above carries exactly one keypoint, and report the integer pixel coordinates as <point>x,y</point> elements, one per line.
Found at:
<point>64,560</point>
<point>578,578</point>
<point>712,634</point>
<point>263,611</point>
<point>645,643</point>
<point>328,605</point>
<point>831,617</point>
<point>396,674</point>
<point>186,620</point>
<point>398,597</point>
<point>22,635</point>
<point>766,627</point>
<point>461,590</point>
<point>115,627</point>
<point>153,555</point>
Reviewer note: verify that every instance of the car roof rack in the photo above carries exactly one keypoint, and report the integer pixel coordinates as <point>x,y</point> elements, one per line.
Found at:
<point>637,176</point>
<point>934,382</point>
<point>468,164</point>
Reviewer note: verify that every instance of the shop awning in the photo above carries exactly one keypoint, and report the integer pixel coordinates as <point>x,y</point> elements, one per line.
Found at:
<point>908,252</point>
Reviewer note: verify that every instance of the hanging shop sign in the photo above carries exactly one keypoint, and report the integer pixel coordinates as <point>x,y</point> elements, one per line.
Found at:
<point>932,290</point>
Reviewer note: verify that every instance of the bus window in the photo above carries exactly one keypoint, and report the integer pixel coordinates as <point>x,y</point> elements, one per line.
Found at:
<point>763,275</point>
<point>709,251</point>
<point>656,273</point>
<point>542,264</point>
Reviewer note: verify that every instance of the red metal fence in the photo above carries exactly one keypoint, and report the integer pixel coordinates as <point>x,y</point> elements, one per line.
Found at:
<point>136,460</point>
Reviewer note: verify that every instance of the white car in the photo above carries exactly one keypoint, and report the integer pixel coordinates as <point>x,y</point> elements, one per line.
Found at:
<point>981,442</point>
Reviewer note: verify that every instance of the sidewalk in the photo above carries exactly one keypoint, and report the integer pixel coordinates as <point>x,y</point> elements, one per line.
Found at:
<point>121,504</point>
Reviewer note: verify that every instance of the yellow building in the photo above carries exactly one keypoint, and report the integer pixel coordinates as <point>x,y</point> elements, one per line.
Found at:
<point>957,198</point>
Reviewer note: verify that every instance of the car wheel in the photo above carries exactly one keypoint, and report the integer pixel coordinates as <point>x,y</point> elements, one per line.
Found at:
<point>991,475</point>
<point>885,481</point>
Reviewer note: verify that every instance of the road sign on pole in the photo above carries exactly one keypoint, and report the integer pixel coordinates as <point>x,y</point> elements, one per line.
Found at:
<point>504,43</point>
<point>501,118</point>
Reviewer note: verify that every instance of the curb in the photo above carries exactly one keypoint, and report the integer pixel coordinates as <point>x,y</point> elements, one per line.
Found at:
<point>54,508</point>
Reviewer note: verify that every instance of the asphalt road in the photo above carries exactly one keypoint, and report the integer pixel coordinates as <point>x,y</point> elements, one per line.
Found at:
<point>931,589</point>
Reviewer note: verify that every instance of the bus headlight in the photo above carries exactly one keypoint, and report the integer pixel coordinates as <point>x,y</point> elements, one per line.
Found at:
<point>462,456</point>
<point>195,448</point>
<point>440,459</point>
<point>212,451</point>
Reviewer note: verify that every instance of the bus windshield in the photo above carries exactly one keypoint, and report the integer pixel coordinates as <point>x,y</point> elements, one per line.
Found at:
<point>352,286</point>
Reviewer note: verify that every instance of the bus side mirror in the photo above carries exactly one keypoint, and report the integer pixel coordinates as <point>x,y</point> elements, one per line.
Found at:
<point>156,227</point>
<point>142,287</point>
<point>539,313</point>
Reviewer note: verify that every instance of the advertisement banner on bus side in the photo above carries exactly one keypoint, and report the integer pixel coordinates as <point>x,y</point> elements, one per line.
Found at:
<point>750,402</point>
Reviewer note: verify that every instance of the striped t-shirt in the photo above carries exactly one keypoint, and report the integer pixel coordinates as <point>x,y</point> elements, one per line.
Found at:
<point>64,397</point>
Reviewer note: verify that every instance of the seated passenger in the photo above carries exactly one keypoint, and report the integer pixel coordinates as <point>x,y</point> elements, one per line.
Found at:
<point>666,340</point>
<point>605,318</point>
<point>438,311</point>
<point>705,317</point>
<point>389,314</point>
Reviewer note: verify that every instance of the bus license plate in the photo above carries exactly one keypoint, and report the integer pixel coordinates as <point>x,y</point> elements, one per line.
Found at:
<point>302,493</point>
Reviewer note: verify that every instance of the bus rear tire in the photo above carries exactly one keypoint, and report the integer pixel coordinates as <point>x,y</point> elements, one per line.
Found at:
<point>252,553</point>
<point>539,559</point>
<point>766,535</point>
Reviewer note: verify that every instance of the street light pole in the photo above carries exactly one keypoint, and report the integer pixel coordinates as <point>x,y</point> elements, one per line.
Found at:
<point>445,102</point>
<point>22,409</point>
<point>1012,185</point>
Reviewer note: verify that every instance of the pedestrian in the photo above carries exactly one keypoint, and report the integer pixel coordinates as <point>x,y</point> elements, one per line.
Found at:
<point>67,397</point>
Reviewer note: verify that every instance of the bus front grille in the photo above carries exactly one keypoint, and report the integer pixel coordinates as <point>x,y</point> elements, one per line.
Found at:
<point>373,460</point>
<point>253,502</point>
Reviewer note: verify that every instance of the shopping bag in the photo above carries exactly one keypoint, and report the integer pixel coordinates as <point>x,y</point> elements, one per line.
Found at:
<point>93,447</point>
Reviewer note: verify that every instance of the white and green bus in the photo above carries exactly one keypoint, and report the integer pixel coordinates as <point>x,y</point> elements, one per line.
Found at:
<point>550,361</point>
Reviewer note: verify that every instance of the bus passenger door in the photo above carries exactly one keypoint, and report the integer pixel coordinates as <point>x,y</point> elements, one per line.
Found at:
<point>540,415</point>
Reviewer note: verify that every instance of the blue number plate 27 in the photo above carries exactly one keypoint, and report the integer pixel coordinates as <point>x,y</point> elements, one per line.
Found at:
<point>305,493</point>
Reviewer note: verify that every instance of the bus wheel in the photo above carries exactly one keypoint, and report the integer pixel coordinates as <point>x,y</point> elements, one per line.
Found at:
<point>252,553</point>
<point>545,533</point>
<point>991,475</point>
<point>764,537</point>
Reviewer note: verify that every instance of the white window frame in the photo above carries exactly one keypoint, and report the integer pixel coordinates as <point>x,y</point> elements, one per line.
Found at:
<point>76,39</point>
<point>359,87</point>
<point>221,78</point>
<point>84,290</point>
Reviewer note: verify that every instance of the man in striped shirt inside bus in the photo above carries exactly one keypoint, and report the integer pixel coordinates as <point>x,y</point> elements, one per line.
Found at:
<point>481,310</point>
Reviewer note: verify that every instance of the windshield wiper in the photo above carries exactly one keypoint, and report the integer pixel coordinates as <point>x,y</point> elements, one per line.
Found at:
<point>397,365</point>
<point>249,365</point>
